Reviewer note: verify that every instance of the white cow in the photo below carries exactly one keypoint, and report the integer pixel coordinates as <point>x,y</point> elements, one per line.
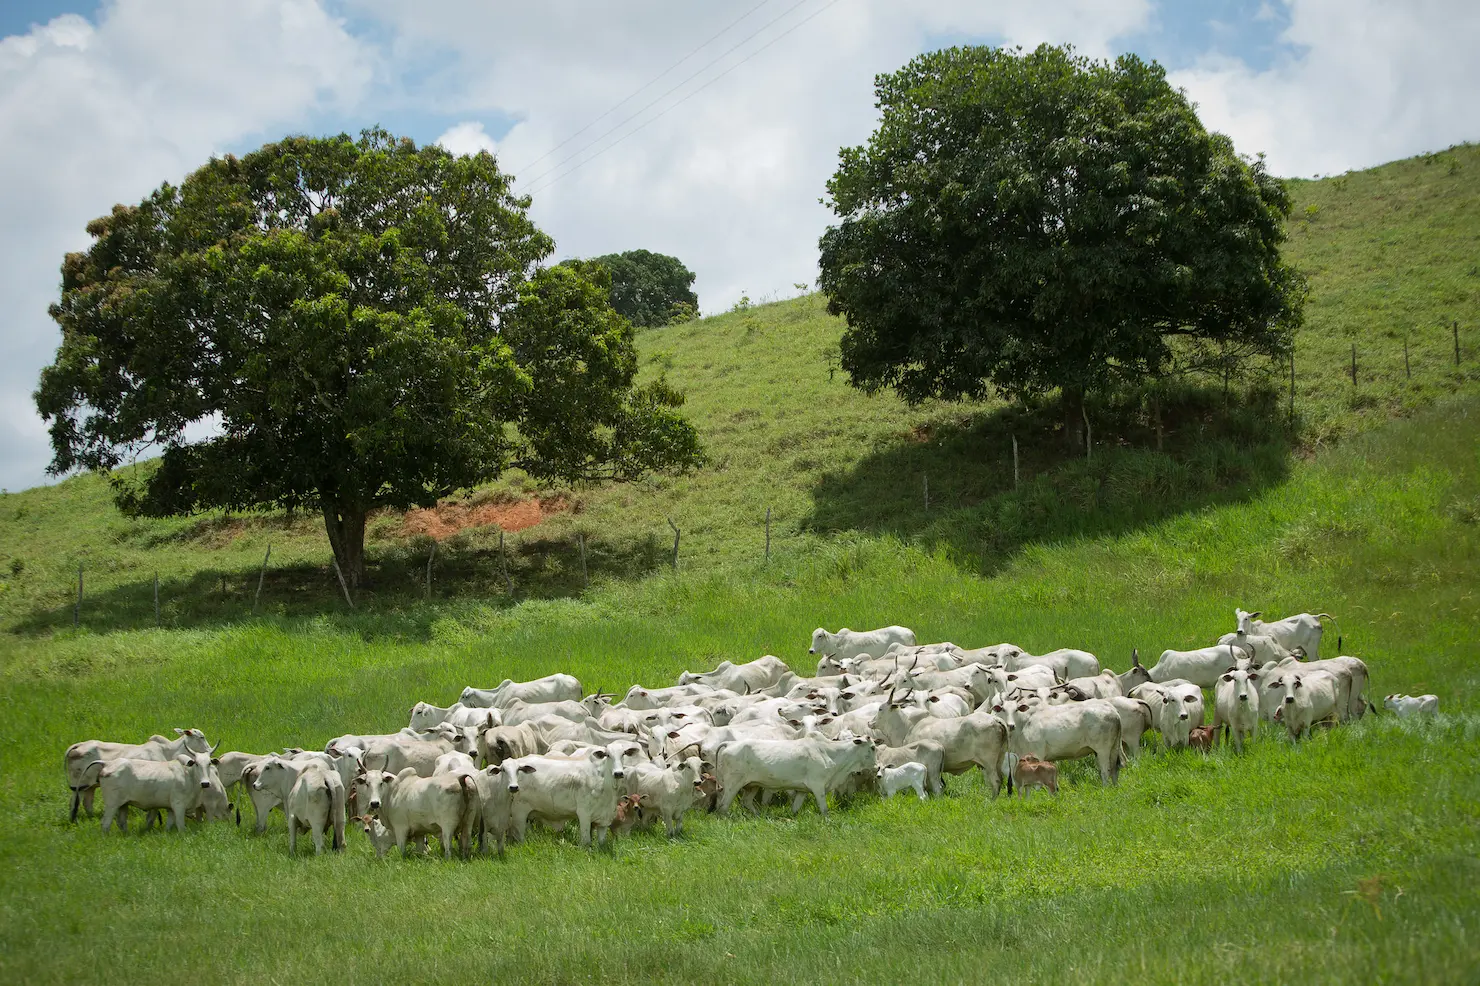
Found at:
<point>1404,706</point>
<point>1203,666</point>
<point>1303,631</point>
<point>859,643</point>
<point>1306,698</point>
<point>173,785</point>
<point>395,754</point>
<point>551,688</point>
<point>1058,732</point>
<point>1236,705</point>
<point>410,806</point>
<point>560,790</point>
<point>424,716</point>
<point>892,780</point>
<point>158,748</point>
<point>1184,709</point>
<point>815,766</point>
<point>667,792</point>
<point>1351,673</point>
<point>313,799</point>
<point>1066,662</point>
<point>752,676</point>
<point>517,710</point>
<point>1136,718</point>
<point>639,697</point>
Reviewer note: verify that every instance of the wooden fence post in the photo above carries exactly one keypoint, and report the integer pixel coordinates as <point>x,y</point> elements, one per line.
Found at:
<point>156,599</point>
<point>1089,439</point>
<point>77,611</point>
<point>581,543</point>
<point>768,534</point>
<point>675,542</point>
<point>504,561</point>
<point>430,559</point>
<point>1456,344</point>
<point>1292,384</point>
<point>1354,364</point>
<point>1014,462</point>
<point>260,576</point>
<point>343,584</point>
<point>927,493</point>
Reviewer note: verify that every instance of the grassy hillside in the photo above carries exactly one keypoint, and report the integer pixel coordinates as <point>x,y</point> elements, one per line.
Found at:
<point>1391,254</point>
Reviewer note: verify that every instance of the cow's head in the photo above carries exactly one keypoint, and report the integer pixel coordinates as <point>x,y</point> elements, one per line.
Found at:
<point>197,767</point>
<point>820,641</point>
<point>372,786</point>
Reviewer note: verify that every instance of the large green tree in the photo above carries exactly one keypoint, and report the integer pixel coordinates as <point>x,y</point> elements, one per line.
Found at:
<point>356,324</point>
<point>1024,221</point>
<point>650,288</point>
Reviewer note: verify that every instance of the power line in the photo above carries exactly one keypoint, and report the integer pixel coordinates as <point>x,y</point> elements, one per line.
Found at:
<point>670,91</point>
<point>677,104</point>
<point>645,86</point>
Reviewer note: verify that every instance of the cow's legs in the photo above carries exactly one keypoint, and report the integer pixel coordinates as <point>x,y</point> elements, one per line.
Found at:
<point>292,831</point>
<point>317,831</point>
<point>820,794</point>
<point>109,813</point>
<point>76,800</point>
<point>87,800</point>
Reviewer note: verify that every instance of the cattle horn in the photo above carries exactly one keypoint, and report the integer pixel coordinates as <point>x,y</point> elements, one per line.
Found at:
<point>213,749</point>
<point>1135,657</point>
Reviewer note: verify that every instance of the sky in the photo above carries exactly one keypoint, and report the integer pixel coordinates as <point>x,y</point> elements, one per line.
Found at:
<point>721,160</point>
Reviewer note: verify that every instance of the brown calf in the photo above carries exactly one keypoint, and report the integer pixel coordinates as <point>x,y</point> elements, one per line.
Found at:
<point>1032,772</point>
<point>1202,738</point>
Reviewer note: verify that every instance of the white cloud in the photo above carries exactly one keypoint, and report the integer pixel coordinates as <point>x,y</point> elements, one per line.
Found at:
<point>466,139</point>
<point>1365,82</point>
<point>728,181</point>
<point>93,113</point>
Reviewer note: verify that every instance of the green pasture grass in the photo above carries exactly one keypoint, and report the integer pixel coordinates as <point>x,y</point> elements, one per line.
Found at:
<point>1352,856</point>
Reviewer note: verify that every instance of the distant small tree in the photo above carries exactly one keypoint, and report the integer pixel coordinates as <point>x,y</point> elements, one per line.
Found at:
<point>650,288</point>
<point>1021,222</point>
<point>366,324</point>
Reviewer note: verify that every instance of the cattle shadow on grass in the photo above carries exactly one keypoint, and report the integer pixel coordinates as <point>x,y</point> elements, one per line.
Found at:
<point>467,571</point>
<point>1210,449</point>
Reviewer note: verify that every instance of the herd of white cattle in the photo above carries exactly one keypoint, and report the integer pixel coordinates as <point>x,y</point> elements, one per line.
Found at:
<point>882,713</point>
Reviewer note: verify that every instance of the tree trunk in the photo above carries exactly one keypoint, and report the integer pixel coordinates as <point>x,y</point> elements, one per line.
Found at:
<point>346,528</point>
<point>1073,405</point>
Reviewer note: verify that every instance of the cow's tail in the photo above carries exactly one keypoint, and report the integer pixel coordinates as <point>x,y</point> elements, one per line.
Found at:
<point>336,814</point>
<point>465,783</point>
<point>1328,616</point>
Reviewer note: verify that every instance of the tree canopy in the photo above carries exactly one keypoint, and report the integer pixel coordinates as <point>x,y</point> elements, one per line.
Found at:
<point>360,324</point>
<point>1024,221</point>
<point>650,288</point>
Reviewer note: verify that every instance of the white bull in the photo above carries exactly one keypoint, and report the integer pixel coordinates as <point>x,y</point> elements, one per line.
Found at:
<point>413,807</point>
<point>814,766</point>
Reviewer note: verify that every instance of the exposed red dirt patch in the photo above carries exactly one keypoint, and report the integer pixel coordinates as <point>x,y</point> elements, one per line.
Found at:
<point>446,519</point>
